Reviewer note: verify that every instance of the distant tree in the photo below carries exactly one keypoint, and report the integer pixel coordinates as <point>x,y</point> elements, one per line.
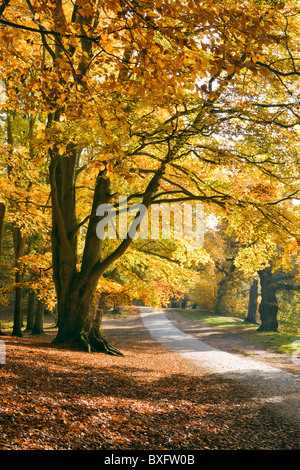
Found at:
<point>272,281</point>
<point>38,326</point>
<point>30,310</point>
<point>2,218</point>
<point>253,303</point>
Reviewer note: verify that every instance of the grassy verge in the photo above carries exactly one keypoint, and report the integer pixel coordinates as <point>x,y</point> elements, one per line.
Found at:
<point>8,325</point>
<point>275,341</point>
<point>122,313</point>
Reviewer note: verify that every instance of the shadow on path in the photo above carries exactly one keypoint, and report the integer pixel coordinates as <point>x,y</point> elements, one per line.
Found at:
<point>270,385</point>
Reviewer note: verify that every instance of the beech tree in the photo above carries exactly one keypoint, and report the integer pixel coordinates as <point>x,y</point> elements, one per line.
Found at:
<point>274,280</point>
<point>156,101</point>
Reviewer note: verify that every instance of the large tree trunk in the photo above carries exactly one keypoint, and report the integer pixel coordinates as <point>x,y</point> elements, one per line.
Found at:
<point>268,307</point>
<point>77,315</point>
<point>76,289</point>
<point>253,301</point>
<point>79,325</point>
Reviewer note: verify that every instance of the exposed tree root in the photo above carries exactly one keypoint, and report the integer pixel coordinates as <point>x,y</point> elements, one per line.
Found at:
<point>88,342</point>
<point>99,344</point>
<point>94,342</point>
<point>266,329</point>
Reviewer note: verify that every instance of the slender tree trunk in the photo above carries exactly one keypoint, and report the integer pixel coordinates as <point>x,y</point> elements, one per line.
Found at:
<point>98,318</point>
<point>18,313</point>
<point>19,245</point>
<point>100,311</point>
<point>2,216</point>
<point>30,311</point>
<point>268,307</point>
<point>253,301</point>
<point>38,327</point>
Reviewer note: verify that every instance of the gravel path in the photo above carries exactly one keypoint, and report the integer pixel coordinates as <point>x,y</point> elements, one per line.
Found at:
<point>272,386</point>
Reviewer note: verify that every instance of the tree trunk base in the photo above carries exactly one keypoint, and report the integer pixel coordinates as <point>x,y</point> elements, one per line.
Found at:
<point>99,344</point>
<point>18,334</point>
<point>252,322</point>
<point>37,332</point>
<point>266,329</point>
<point>92,342</point>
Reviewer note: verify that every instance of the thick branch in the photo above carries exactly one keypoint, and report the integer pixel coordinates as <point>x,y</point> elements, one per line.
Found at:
<point>3,6</point>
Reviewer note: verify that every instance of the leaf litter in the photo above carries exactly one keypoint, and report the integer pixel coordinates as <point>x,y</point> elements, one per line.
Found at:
<point>52,398</point>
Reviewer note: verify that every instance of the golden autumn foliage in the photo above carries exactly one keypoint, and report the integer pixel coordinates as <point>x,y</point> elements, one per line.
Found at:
<point>160,102</point>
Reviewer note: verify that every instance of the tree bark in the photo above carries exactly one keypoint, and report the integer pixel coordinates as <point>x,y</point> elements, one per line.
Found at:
<point>19,245</point>
<point>268,307</point>
<point>30,311</point>
<point>80,327</point>
<point>2,216</point>
<point>38,327</point>
<point>253,302</point>
<point>76,289</point>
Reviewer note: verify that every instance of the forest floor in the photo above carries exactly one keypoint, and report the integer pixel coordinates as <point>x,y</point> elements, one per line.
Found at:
<point>52,398</point>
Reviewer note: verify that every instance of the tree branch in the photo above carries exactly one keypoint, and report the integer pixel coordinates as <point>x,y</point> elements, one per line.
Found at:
<point>3,6</point>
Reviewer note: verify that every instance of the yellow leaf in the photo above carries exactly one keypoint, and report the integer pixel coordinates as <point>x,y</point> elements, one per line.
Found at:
<point>230,69</point>
<point>108,48</point>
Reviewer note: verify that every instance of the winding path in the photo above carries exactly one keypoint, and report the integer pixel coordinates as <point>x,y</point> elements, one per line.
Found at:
<point>274,387</point>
